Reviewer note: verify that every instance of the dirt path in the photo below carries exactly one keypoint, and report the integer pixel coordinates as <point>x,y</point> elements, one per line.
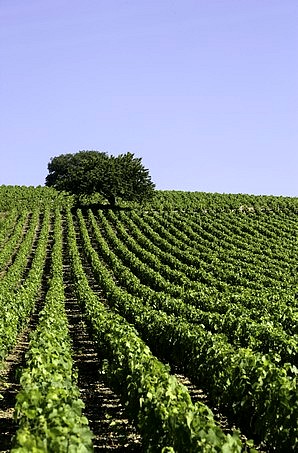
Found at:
<point>112,430</point>
<point>9,389</point>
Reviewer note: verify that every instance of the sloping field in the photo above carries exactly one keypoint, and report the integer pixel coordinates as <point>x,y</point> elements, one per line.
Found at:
<point>165,327</point>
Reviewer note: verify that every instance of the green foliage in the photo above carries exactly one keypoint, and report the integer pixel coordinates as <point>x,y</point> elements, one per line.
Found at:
<point>29,197</point>
<point>89,172</point>
<point>251,387</point>
<point>49,408</point>
<point>16,299</point>
<point>162,407</point>
<point>207,281</point>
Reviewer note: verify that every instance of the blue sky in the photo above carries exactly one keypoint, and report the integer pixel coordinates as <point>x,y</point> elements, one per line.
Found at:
<point>205,91</point>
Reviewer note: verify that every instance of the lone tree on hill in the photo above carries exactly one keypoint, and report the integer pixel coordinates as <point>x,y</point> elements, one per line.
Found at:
<point>90,172</point>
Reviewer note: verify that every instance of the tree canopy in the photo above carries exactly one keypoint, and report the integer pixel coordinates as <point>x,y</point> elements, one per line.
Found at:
<point>90,172</point>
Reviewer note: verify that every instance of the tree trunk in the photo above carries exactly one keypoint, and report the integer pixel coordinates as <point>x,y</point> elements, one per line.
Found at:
<point>112,200</point>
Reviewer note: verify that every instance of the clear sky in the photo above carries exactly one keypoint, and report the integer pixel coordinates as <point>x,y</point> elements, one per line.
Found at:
<point>205,91</point>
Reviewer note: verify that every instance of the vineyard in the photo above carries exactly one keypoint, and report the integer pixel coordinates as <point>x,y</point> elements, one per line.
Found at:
<point>166,327</point>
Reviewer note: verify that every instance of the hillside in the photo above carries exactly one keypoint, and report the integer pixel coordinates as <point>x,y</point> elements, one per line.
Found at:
<point>166,325</point>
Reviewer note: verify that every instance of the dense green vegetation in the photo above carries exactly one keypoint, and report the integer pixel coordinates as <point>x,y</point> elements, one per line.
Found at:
<point>204,284</point>
<point>94,172</point>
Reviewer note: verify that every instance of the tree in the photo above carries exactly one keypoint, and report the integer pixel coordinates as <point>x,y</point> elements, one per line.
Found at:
<point>90,172</point>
